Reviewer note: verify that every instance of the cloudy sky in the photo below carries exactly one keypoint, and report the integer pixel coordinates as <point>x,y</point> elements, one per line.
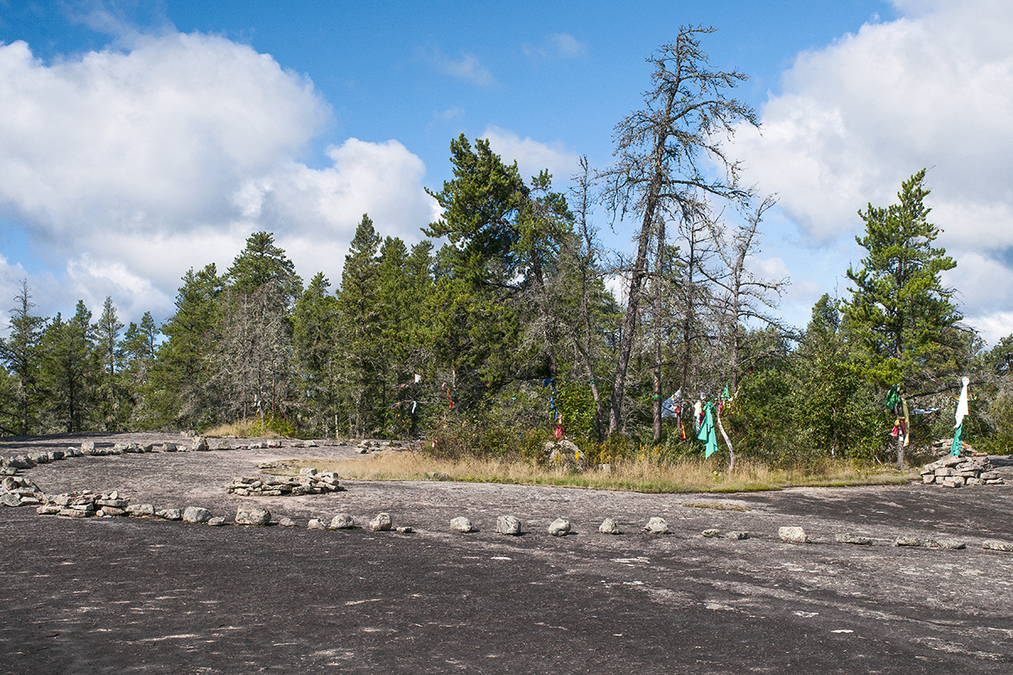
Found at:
<point>139,139</point>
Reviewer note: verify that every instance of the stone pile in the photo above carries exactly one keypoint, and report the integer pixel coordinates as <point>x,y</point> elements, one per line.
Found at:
<point>309,482</point>
<point>85,504</point>
<point>951,471</point>
<point>20,491</point>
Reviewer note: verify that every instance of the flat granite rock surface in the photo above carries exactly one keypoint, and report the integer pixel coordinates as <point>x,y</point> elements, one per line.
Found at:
<point>142,595</point>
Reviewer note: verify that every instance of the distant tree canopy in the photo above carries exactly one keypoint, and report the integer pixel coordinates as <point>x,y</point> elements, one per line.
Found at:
<point>496,331</point>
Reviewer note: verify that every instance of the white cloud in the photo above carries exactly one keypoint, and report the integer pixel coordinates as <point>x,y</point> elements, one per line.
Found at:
<point>532,156</point>
<point>931,89</point>
<point>467,68</point>
<point>556,46</point>
<point>126,168</point>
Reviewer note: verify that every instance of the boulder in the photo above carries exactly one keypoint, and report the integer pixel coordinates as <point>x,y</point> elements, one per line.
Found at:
<point>461,524</point>
<point>381,522</point>
<point>792,535</point>
<point>200,444</point>
<point>141,510</point>
<point>170,514</point>
<point>508,525</point>
<point>196,514</point>
<point>252,515</point>
<point>609,526</point>
<point>342,521</point>
<point>656,525</point>
<point>559,527</point>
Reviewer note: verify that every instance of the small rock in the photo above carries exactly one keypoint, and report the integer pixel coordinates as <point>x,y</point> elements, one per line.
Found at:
<point>314,524</point>
<point>995,545</point>
<point>48,509</point>
<point>196,514</point>
<point>711,533</point>
<point>170,514</point>
<point>141,510</point>
<point>200,444</point>
<point>853,539</point>
<point>656,525</point>
<point>609,526</point>
<point>508,525</point>
<point>286,522</point>
<point>342,521</point>
<point>950,545</point>
<point>75,513</point>
<point>910,541</point>
<point>405,529</point>
<point>10,499</point>
<point>461,524</point>
<point>792,535</point>
<point>382,522</point>
<point>169,447</point>
<point>251,515</point>
<point>559,527</point>
<point>307,471</point>
<point>111,512</point>
<point>736,534</point>
<point>217,521</point>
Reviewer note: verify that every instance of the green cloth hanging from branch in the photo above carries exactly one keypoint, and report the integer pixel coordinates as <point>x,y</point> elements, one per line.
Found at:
<point>706,434</point>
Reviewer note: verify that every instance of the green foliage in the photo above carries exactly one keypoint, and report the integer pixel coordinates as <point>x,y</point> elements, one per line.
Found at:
<point>900,312</point>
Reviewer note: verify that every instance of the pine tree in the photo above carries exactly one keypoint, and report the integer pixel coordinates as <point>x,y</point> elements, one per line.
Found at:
<point>20,352</point>
<point>900,312</point>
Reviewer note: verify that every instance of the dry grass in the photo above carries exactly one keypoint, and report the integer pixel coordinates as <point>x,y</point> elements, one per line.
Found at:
<point>692,475</point>
<point>251,428</point>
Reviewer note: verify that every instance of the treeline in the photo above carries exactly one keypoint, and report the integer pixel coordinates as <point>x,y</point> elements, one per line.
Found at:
<point>499,329</point>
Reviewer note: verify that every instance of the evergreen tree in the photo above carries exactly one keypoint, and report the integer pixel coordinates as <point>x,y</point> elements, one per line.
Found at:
<point>900,312</point>
<point>360,328</point>
<point>107,350</point>
<point>315,326</point>
<point>71,369</point>
<point>180,392</point>
<point>20,352</point>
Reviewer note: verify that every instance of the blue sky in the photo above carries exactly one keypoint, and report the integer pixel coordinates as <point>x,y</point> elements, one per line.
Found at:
<point>140,139</point>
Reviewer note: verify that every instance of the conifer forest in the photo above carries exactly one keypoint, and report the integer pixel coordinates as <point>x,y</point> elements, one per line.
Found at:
<point>510,322</point>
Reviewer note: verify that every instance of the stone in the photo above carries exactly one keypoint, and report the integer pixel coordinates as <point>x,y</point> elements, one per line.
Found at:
<point>711,533</point>
<point>609,526</point>
<point>792,535</point>
<point>953,481</point>
<point>200,444</point>
<point>48,509</point>
<point>111,511</point>
<point>342,521</point>
<point>10,499</point>
<point>217,521</point>
<point>286,522</point>
<point>307,471</point>
<point>508,525</point>
<point>115,503</point>
<point>990,475</point>
<point>564,454</point>
<point>88,447</point>
<point>74,513</point>
<point>252,515</point>
<point>656,525</point>
<point>196,514</point>
<point>461,524</point>
<point>169,447</point>
<point>858,540</point>
<point>910,541</point>
<point>996,545</point>
<point>950,545</point>
<point>405,529</point>
<point>381,522</point>
<point>170,514</point>
<point>928,478</point>
<point>314,524</point>
<point>141,510</point>
<point>559,527</point>
<point>737,534</point>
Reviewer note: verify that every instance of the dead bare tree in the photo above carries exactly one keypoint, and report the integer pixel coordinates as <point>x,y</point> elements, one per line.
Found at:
<point>687,115</point>
<point>744,296</point>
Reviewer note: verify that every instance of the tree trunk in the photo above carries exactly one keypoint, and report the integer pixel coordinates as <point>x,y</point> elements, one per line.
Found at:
<point>728,442</point>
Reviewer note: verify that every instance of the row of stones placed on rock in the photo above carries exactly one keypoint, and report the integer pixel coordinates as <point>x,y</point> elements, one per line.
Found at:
<point>309,481</point>
<point>952,471</point>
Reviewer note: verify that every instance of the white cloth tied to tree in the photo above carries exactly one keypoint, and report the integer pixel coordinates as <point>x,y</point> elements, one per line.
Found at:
<point>962,403</point>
